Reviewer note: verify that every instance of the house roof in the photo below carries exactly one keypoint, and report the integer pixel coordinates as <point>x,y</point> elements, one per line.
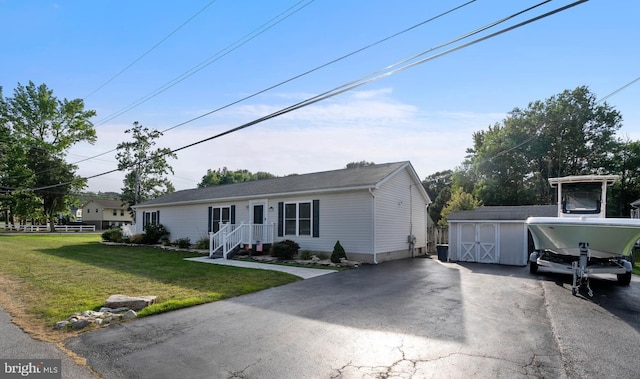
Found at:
<point>352,178</point>
<point>106,203</point>
<point>521,212</point>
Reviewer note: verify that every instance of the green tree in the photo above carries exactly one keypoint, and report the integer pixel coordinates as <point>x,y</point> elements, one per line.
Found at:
<point>226,176</point>
<point>460,201</point>
<point>625,161</point>
<point>438,187</point>
<point>359,164</point>
<point>566,134</point>
<point>40,129</point>
<point>145,169</point>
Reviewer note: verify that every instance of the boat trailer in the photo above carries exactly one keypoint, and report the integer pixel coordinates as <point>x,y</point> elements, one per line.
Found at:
<point>581,267</point>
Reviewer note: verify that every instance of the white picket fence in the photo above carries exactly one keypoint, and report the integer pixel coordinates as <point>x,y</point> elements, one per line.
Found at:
<point>45,228</point>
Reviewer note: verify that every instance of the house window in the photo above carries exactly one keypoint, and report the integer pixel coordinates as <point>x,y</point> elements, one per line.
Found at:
<point>220,215</point>
<point>297,219</point>
<point>115,213</point>
<point>150,218</point>
<point>88,210</point>
<point>96,210</point>
<point>121,212</point>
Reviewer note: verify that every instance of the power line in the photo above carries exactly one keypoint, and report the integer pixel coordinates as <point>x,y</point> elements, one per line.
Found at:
<point>534,136</point>
<point>214,58</point>
<point>150,50</point>
<point>307,72</point>
<point>347,87</point>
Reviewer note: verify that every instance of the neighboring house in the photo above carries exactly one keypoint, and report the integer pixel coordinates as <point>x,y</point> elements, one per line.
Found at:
<point>635,209</point>
<point>105,213</point>
<point>494,234</point>
<point>377,212</point>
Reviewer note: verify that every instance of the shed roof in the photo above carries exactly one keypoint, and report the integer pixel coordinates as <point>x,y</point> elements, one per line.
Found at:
<point>521,212</point>
<point>352,178</point>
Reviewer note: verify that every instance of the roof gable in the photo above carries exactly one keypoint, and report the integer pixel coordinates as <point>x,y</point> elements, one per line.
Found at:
<point>344,179</point>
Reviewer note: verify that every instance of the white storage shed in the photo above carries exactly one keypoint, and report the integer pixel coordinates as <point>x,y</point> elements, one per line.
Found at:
<point>494,234</point>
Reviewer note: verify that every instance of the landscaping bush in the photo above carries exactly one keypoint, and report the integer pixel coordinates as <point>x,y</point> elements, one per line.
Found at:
<point>112,235</point>
<point>338,252</point>
<point>202,244</point>
<point>284,250</point>
<point>305,255</point>
<point>137,239</point>
<point>153,233</point>
<point>183,243</point>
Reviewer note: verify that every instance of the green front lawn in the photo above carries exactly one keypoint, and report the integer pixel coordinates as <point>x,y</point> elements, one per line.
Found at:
<point>636,261</point>
<point>47,277</point>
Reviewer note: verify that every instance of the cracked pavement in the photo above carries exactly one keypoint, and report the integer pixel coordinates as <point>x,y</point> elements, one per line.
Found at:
<point>416,318</point>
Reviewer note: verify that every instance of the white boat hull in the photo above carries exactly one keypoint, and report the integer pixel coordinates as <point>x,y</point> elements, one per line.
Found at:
<point>607,237</point>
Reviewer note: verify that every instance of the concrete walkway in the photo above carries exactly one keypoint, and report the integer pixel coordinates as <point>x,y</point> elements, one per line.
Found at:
<point>303,272</point>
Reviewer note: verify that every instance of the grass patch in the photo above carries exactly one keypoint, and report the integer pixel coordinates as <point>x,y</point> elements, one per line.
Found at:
<point>50,276</point>
<point>636,260</point>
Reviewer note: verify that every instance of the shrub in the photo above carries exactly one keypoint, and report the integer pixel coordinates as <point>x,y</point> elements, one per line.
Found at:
<point>202,244</point>
<point>322,256</point>
<point>137,239</point>
<point>153,233</point>
<point>338,252</point>
<point>183,243</point>
<point>305,255</point>
<point>112,235</point>
<point>284,250</point>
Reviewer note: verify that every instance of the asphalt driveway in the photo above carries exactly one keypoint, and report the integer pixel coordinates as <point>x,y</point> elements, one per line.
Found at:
<point>415,318</point>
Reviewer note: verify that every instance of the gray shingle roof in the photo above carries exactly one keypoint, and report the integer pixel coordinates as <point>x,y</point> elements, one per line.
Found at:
<point>367,176</point>
<point>521,212</point>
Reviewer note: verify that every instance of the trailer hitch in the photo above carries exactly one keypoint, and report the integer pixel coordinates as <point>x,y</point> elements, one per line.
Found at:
<point>580,275</point>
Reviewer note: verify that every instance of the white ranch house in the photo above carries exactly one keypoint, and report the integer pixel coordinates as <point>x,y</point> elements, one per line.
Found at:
<point>377,212</point>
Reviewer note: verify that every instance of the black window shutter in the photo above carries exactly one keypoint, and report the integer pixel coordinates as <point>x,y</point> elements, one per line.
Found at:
<point>233,215</point>
<point>316,218</point>
<point>144,220</point>
<point>210,220</point>
<point>280,219</point>
<point>158,217</point>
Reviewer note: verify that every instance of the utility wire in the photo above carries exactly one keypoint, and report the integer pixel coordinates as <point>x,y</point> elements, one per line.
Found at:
<point>150,50</point>
<point>534,136</point>
<point>341,89</point>
<point>305,73</point>
<point>214,58</point>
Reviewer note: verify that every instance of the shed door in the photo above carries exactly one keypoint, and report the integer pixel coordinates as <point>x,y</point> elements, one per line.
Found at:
<point>487,237</point>
<point>478,242</point>
<point>467,242</point>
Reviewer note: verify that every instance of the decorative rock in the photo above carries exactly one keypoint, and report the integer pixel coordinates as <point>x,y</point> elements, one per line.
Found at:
<point>81,324</point>
<point>135,303</point>
<point>130,314</point>
<point>61,324</point>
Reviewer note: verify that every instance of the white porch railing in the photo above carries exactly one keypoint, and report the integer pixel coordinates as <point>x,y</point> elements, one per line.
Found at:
<point>231,236</point>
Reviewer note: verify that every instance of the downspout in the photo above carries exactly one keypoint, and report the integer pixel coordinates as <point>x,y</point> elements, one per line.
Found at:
<point>412,241</point>
<point>373,226</point>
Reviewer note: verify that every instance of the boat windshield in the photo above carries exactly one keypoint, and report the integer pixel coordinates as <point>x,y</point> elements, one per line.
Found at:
<point>581,198</point>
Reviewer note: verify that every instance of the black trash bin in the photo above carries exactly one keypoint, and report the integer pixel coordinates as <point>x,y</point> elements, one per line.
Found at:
<point>443,252</point>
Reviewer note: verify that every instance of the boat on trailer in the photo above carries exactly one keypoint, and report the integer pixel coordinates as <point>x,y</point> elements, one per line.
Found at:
<point>581,240</point>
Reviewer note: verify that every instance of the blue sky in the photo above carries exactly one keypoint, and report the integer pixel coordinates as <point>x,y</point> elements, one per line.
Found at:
<point>425,114</point>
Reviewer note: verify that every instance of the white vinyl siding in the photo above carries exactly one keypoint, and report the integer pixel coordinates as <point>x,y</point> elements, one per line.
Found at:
<point>344,217</point>
<point>400,210</point>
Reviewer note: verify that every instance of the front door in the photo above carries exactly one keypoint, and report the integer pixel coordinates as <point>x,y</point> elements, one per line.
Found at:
<point>258,221</point>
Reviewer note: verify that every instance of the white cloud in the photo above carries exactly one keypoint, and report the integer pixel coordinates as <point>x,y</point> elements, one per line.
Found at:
<point>325,136</point>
